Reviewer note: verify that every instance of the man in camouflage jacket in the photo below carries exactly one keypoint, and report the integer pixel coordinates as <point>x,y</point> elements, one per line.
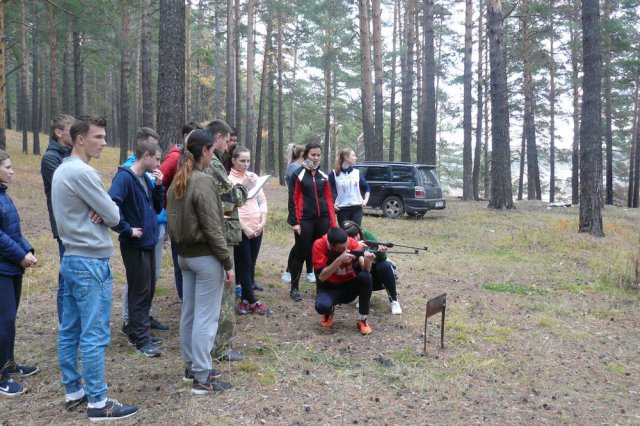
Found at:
<point>233,196</point>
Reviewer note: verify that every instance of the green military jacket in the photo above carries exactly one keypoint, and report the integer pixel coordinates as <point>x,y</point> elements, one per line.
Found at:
<point>232,195</point>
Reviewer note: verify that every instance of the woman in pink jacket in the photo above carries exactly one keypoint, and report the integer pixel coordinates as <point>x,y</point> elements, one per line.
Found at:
<point>253,218</point>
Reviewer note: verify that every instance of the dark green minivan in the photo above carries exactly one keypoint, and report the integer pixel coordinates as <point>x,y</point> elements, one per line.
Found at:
<point>398,188</point>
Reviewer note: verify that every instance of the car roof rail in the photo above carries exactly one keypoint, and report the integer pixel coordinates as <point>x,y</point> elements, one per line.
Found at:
<point>400,163</point>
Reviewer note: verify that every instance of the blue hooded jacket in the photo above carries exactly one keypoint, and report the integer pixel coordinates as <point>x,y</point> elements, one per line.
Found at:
<point>137,209</point>
<point>13,246</point>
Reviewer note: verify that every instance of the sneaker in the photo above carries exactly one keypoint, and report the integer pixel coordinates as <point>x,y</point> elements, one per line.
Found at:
<point>260,308</point>
<point>9,387</point>
<point>311,277</point>
<point>258,287</point>
<point>295,295</point>
<point>157,325</point>
<point>156,340</point>
<point>24,370</point>
<point>286,277</point>
<point>188,374</point>
<point>149,350</point>
<point>327,319</point>
<point>364,326</point>
<point>395,308</point>
<point>111,411</point>
<point>243,308</point>
<point>75,403</point>
<point>208,386</point>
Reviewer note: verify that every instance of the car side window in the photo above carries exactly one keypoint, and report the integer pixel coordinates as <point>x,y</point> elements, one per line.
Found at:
<point>374,174</point>
<point>401,174</point>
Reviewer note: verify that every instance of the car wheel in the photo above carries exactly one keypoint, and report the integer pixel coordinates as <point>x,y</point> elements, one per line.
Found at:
<point>392,207</point>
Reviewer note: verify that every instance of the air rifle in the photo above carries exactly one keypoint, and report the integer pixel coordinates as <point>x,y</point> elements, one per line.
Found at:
<point>374,245</point>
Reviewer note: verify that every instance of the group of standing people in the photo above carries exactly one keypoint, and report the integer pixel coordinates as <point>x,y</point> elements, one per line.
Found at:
<point>321,206</point>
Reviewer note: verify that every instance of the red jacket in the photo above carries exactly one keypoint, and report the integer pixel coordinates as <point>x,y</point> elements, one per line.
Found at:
<point>323,258</point>
<point>310,197</point>
<point>169,166</point>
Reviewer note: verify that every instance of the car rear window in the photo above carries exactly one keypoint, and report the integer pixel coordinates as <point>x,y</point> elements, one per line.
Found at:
<point>425,177</point>
<point>376,173</point>
<point>402,174</point>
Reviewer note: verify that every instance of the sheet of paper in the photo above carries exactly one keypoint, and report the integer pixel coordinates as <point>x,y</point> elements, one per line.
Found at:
<point>258,186</point>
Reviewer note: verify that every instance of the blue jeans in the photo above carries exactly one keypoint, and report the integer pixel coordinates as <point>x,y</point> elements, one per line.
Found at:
<point>85,324</point>
<point>60,281</point>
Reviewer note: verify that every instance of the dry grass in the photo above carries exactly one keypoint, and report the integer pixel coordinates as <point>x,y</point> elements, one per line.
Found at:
<point>542,327</point>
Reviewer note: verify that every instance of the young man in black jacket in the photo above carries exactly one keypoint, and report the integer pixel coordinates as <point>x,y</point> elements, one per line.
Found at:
<point>59,148</point>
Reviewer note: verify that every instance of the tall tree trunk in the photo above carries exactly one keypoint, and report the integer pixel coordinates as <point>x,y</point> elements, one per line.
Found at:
<point>366,84</point>
<point>230,109</point>
<point>485,146</point>
<point>8,89</point>
<point>575,150</point>
<point>327,64</point>
<point>523,150</point>
<point>281,160</point>
<point>533,176</point>
<point>419,37</point>
<point>35,61</point>
<point>53,69</point>
<point>294,70</point>
<point>24,80</point>
<point>78,76</point>
<point>271,141</point>
<point>407,82</point>
<point>145,66</point>
<point>3,83</point>
<point>632,149</point>
<point>429,118</point>
<point>608,134</point>
<point>376,14</point>
<point>171,60</point>
<point>590,131</point>
<point>67,62</point>
<point>187,60</point>
<point>478,148</point>
<point>263,91</point>
<point>251,58</point>
<point>394,54</point>
<point>552,109</point>
<point>636,144</point>
<point>217,68</point>
<point>124,85</point>
<point>236,70</point>
<point>467,160</point>
<point>501,191</point>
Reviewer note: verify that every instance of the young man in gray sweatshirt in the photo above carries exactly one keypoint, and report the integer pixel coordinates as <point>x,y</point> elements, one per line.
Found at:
<point>84,212</point>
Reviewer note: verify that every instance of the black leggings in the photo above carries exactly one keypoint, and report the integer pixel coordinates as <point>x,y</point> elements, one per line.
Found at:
<point>245,258</point>
<point>383,278</point>
<point>353,213</point>
<point>308,261</point>
<point>10,289</point>
<point>329,295</point>
<point>310,231</point>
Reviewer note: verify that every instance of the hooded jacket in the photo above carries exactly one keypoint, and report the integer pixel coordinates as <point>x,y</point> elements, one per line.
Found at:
<point>13,246</point>
<point>51,159</point>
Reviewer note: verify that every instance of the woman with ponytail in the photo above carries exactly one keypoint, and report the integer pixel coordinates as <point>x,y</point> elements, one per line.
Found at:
<point>196,225</point>
<point>310,211</point>
<point>348,187</point>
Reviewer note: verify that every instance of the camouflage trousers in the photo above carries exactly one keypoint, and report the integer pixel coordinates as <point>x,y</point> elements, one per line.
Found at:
<point>227,321</point>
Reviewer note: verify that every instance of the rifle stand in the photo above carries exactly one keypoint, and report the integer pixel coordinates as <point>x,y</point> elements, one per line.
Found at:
<point>435,305</point>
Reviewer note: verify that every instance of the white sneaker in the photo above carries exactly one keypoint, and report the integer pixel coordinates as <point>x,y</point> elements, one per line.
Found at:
<point>286,277</point>
<point>311,277</point>
<point>395,308</point>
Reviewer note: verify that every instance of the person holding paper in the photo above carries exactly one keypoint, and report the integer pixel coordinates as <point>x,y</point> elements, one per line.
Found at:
<point>253,219</point>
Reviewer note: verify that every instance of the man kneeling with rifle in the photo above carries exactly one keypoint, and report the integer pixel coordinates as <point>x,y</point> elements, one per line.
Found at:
<point>382,270</point>
<point>341,276</point>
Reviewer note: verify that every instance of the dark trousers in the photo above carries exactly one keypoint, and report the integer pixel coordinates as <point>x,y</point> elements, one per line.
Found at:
<point>308,261</point>
<point>353,213</point>
<point>310,231</point>
<point>177,272</point>
<point>383,278</point>
<point>245,257</point>
<point>10,289</point>
<point>60,281</point>
<point>141,270</point>
<point>329,295</point>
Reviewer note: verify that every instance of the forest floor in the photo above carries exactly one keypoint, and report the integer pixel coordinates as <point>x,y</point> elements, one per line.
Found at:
<point>542,327</point>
